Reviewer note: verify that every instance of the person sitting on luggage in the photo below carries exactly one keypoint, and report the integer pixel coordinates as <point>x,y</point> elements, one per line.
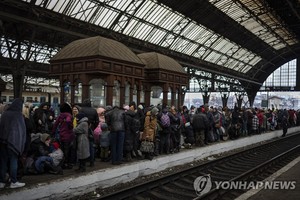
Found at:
<point>40,153</point>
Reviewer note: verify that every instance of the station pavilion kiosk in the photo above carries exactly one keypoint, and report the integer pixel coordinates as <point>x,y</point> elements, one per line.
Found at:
<point>108,73</point>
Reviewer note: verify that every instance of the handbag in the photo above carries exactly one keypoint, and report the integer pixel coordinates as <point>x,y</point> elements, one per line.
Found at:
<point>147,146</point>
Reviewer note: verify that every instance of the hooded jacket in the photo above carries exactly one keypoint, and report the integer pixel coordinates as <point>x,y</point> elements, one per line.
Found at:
<point>81,131</point>
<point>12,127</point>
<point>65,125</point>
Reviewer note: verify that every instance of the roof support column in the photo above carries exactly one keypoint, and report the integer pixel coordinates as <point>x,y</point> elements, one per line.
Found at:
<point>109,89</point>
<point>147,96</point>
<point>165,94</point>
<point>122,92</point>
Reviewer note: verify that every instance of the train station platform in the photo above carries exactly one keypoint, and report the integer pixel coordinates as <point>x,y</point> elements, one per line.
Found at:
<point>286,182</point>
<point>103,175</point>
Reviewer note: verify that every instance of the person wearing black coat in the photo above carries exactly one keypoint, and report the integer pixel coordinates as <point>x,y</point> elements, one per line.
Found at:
<point>187,129</point>
<point>93,121</point>
<point>12,142</point>
<point>90,113</point>
<point>285,125</point>
<point>115,121</point>
<point>130,134</point>
<point>43,118</point>
<point>200,125</point>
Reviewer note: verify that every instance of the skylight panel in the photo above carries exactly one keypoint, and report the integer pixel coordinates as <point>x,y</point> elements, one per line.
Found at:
<point>248,12</point>
<point>141,31</point>
<point>119,4</point>
<point>171,22</point>
<point>191,49</point>
<point>213,57</point>
<point>156,36</point>
<point>157,24</point>
<point>107,18</point>
<point>130,26</point>
<point>179,44</point>
<point>146,9</point>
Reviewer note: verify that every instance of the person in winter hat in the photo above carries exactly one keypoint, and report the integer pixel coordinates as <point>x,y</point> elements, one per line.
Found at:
<point>93,121</point>
<point>104,142</point>
<point>63,133</point>
<point>83,147</point>
<point>12,142</point>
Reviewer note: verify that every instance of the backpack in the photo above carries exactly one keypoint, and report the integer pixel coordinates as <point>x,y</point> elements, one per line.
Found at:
<point>165,120</point>
<point>97,132</point>
<point>136,124</point>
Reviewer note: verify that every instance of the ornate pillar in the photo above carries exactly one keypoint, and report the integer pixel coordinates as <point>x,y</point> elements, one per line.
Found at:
<point>109,90</point>
<point>173,97</point>
<point>165,94</point>
<point>85,88</point>
<point>180,95</point>
<point>122,92</point>
<point>147,96</point>
<point>165,97</point>
<point>72,92</point>
<point>85,91</point>
<point>138,94</point>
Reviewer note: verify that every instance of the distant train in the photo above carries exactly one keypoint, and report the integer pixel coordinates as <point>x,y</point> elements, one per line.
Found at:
<point>35,97</point>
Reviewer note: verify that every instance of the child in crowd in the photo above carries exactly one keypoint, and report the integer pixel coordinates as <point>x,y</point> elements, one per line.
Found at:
<point>104,142</point>
<point>83,147</point>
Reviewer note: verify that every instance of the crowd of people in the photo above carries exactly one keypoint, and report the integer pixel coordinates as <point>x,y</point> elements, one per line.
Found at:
<point>35,141</point>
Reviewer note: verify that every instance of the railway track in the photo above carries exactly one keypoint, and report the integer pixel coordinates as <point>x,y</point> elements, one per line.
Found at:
<point>254,165</point>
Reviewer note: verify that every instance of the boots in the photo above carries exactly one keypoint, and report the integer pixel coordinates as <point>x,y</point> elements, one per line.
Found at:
<point>128,157</point>
<point>82,166</point>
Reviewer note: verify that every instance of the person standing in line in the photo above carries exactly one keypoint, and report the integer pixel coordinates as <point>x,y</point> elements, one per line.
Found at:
<point>200,126</point>
<point>12,142</point>
<point>83,146</point>
<point>150,127</point>
<point>63,132</point>
<point>104,143</point>
<point>285,123</point>
<point>93,120</point>
<point>43,118</point>
<point>115,120</point>
<point>75,111</point>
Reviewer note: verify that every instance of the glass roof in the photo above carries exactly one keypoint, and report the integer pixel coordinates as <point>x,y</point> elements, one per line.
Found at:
<point>255,17</point>
<point>38,53</point>
<point>157,24</point>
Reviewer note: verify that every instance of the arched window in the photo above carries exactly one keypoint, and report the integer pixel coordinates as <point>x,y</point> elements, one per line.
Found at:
<point>127,93</point>
<point>116,93</point>
<point>98,92</point>
<point>67,91</point>
<point>78,92</point>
